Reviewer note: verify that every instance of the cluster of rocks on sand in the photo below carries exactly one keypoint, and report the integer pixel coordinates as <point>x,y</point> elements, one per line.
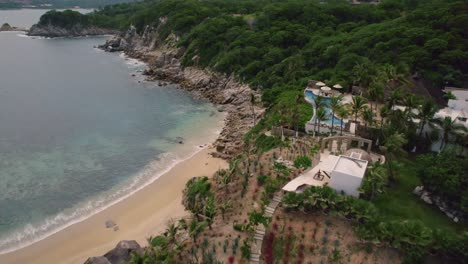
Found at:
<point>122,253</point>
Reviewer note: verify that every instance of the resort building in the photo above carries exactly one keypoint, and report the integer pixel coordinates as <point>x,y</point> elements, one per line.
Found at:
<point>457,108</point>
<point>347,174</point>
<point>343,173</point>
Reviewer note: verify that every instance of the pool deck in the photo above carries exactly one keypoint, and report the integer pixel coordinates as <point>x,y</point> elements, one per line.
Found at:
<point>347,98</point>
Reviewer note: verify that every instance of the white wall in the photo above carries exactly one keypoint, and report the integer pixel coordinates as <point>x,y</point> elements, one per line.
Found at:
<point>346,183</point>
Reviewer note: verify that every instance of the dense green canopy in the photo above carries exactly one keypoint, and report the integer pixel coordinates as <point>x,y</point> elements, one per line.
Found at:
<point>279,45</point>
<point>273,43</point>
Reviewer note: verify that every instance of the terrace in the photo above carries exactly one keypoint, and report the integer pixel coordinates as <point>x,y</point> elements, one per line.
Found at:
<point>342,172</point>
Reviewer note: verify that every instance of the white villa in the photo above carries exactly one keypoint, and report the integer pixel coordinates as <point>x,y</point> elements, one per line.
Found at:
<point>343,173</point>
<point>457,108</point>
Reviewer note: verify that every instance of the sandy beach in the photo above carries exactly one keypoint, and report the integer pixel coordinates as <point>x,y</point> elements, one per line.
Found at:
<point>141,215</point>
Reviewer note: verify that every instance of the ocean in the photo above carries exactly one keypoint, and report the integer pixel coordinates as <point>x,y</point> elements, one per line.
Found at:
<point>80,129</point>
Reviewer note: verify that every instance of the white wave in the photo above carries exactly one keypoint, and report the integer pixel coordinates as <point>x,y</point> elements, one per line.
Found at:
<point>22,35</point>
<point>131,61</point>
<point>31,233</point>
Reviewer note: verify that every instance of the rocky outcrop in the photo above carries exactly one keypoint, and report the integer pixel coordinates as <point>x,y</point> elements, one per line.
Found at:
<point>164,64</point>
<point>51,31</point>
<point>7,27</point>
<point>435,200</point>
<point>121,254</point>
<point>229,95</point>
<point>97,260</point>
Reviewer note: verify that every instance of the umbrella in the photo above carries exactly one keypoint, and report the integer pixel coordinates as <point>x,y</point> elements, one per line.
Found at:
<point>325,88</point>
<point>320,84</point>
<point>337,86</point>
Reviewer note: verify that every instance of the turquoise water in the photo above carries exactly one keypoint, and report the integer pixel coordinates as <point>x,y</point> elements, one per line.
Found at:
<point>79,132</point>
<point>336,121</point>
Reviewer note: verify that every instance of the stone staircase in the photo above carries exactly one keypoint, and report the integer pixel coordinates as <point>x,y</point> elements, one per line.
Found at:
<point>260,231</point>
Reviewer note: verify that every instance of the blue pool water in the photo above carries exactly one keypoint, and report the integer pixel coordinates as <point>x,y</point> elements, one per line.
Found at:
<point>336,121</point>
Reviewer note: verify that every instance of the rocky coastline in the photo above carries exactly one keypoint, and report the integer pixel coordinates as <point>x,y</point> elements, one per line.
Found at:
<point>230,96</point>
<point>163,60</point>
<point>51,31</point>
<point>7,27</point>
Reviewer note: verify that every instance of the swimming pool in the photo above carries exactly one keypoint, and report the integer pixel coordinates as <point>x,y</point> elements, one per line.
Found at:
<point>336,121</point>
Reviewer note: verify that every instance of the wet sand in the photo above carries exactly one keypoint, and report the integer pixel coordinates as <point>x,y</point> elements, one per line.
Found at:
<point>141,215</point>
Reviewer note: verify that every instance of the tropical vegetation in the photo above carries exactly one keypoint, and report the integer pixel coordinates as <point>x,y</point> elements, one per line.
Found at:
<point>387,50</point>
<point>411,236</point>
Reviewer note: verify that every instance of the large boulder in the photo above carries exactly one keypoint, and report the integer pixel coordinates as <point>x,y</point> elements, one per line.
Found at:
<point>97,260</point>
<point>123,252</point>
<point>5,27</point>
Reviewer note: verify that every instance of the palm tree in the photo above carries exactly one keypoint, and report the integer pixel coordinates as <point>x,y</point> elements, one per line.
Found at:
<point>342,113</point>
<point>357,106</point>
<point>375,92</point>
<point>224,207</point>
<point>195,228</point>
<point>375,180</point>
<point>393,147</point>
<point>171,232</point>
<point>426,114</point>
<point>210,211</point>
<point>295,114</point>
<point>335,105</point>
<point>395,97</point>
<point>384,112</point>
<point>319,102</point>
<point>321,116</point>
<point>411,102</point>
<point>368,117</point>
<point>449,127</point>
<point>252,105</point>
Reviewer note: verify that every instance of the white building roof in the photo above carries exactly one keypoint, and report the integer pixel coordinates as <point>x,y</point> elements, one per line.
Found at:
<point>458,104</point>
<point>351,166</point>
<point>461,94</point>
<point>457,108</point>
<point>307,178</point>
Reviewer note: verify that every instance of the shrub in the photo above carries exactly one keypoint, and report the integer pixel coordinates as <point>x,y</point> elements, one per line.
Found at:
<point>302,162</point>
<point>413,237</point>
<point>261,179</point>
<point>445,175</point>
<point>246,251</point>
<point>265,143</point>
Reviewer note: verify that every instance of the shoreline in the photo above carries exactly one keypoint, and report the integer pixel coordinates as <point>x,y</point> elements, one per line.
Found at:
<point>140,215</point>
<point>89,237</point>
<point>201,150</point>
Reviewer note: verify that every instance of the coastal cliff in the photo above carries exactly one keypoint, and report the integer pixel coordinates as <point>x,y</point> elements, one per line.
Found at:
<point>52,31</point>
<point>163,60</point>
<point>66,24</point>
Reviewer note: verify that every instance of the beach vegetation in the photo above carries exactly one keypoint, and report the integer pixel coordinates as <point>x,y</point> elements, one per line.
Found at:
<point>196,194</point>
<point>412,236</point>
<point>445,175</point>
<point>302,162</point>
<point>388,50</point>
<point>276,46</point>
